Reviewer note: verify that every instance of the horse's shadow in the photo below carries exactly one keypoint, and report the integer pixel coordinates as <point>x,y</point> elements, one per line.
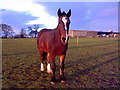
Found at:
<point>78,72</point>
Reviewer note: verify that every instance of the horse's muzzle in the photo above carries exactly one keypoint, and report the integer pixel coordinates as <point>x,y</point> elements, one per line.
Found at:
<point>64,40</point>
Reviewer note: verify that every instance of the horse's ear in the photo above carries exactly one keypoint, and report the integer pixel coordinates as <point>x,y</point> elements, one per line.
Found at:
<point>59,12</point>
<point>69,13</point>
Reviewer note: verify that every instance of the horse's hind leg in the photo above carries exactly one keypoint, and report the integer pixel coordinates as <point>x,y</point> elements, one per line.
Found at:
<point>42,58</point>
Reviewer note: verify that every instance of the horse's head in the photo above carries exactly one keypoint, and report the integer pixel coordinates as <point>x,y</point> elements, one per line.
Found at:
<point>64,23</point>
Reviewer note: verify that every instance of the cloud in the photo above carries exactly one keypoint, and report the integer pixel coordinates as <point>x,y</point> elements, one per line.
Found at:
<point>29,7</point>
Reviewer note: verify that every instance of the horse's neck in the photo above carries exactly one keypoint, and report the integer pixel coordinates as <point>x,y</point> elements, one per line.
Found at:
<point>56,32</point>
<point>57,29</point>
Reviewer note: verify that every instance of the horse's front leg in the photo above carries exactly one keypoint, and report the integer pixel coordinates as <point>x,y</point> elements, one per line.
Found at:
<point>62,77</point>
<point>51,59</point>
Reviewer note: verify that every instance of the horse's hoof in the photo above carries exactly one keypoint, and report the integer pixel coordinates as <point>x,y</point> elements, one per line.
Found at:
<point>48,71</point>
<point>53,83</point>
<point>42,70</point>
<point>62,81</point>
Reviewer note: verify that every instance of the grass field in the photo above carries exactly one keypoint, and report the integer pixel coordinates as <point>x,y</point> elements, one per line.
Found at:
<point>91,64</point>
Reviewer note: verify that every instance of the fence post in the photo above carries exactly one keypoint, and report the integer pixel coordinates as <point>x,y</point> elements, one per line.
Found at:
<point>77,40</point>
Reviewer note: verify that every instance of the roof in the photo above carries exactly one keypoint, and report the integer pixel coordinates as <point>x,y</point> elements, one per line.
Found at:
<point>108,33</point>
<point>82,31</point>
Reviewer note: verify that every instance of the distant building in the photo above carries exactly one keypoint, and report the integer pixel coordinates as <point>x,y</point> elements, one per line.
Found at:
<point>92,34</point>
<point>114,35</point>
<point>108,34</point>
<point>78,33</point>
<point>19,36</point>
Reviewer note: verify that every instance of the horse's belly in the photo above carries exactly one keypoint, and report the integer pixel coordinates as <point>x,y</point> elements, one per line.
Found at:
<point>56,51</point>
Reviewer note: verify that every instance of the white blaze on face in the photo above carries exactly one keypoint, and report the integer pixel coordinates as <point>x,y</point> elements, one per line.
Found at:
<point>64,19</point>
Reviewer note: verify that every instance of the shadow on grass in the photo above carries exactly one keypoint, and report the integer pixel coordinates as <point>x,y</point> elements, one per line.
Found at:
<point>85,71</point>
<point>90,58</point>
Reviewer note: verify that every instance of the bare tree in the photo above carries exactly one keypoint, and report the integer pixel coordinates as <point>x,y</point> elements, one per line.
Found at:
<point>31,34</point>
<point>36,27</point>
<point>6,29</point>
<point>33,30</point>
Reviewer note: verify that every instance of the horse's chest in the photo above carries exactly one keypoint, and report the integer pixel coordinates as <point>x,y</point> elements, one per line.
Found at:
<point>58,50</point>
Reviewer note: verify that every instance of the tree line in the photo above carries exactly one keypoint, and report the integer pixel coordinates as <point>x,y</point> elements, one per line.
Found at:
<point>7,31</point>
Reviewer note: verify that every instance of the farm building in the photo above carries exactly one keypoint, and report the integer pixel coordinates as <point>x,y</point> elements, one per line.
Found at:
<point>78,33</point>
<point>108,34</point>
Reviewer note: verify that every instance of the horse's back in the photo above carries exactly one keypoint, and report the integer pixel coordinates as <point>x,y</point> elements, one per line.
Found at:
<point>43,31</point>
<point>43,37</point>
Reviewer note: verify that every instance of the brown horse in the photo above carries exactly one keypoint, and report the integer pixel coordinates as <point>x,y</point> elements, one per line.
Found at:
<point>52,43</point>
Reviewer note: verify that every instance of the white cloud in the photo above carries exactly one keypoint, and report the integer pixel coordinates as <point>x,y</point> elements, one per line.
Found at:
<point>32,8</point>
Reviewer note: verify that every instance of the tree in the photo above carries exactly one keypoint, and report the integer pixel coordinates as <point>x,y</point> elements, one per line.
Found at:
<point>6,29</point>
<point>31,34</point>
<point>33,30</point>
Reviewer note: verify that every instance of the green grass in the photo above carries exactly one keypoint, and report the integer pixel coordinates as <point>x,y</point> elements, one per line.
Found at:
<point>93,63</point>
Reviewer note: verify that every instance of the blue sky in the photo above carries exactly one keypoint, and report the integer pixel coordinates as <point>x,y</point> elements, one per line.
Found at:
<point>91,16</point>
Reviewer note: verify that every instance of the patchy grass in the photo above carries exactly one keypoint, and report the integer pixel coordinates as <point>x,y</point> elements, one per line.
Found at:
<point>93,63</point>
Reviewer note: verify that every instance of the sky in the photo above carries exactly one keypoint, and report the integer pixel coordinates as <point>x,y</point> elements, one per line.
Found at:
<point>87,16</point>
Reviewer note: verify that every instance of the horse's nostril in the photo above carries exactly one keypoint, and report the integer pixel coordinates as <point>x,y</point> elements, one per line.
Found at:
<point>63,39</point>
